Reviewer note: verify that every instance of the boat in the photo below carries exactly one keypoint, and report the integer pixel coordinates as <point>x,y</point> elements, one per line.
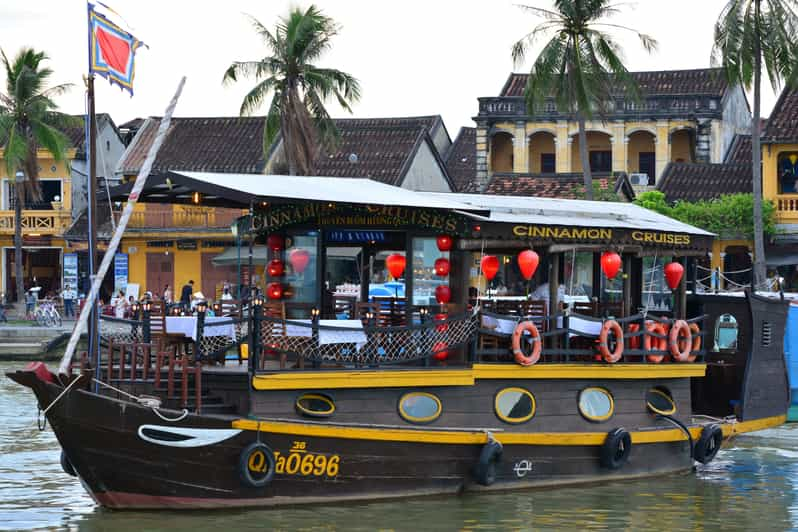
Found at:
<point>469,393</point>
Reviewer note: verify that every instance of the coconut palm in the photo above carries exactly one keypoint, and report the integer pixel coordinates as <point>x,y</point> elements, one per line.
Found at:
<point>580,66</point>
<point>748,33</point>
<point>297,86</point>
<point>29,120</point>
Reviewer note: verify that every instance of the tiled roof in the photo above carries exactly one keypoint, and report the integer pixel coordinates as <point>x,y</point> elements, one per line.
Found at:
<point>461,160</point>
<point>563,186</point>
<point>702,81</point>
<point>382,147</point>
<point>739,150</point>
<point>702,181</point>
<point>783,122</point>
<point>226,144</point>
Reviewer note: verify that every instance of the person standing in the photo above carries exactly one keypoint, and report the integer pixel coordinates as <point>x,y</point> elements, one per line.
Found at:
<point>69,295</point>
<point>167,295</point>
<point>186,293</point>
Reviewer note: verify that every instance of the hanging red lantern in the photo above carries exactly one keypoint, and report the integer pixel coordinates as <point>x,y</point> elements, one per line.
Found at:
<point>299,259</point>
<point>442,327</point>
<point>490,266</point>
<point>528,262</point>
<point>442,267</point>
<point>443,294</point>
<point>395,264</point>
<point>444,242</point>
<point>440,351</point>
<point>275,268</point>
<point>673,274</point>
<point>274,291</point>
<point>610,264</point>
<point>275,242</point>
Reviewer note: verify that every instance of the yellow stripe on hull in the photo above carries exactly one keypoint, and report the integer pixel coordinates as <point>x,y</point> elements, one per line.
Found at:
<point>399,378</point>
<point>472,437</point>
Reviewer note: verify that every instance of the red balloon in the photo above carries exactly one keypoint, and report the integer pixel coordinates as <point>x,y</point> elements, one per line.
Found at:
<point>610,264</point>
<point>528,262</point>
<point>396,265</point>
<point>444,242</point>
<point>440,351</point>
<point>443,294</point>
<point>490,266</point>
<point>275,268</point>
<point>299,259</point>
<point>673,274</point>
<point>275,242</point>
<point>274,291</point>
<point>442,267</point>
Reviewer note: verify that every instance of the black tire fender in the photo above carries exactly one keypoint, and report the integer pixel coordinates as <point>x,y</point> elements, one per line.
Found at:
<point>66,465</point>
<point>708,444</point>
<point>256,465</point>
<point>489,457</point>
<point>616,449</point>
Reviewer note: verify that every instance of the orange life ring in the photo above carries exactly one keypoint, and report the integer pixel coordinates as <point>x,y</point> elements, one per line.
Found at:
<point>653,342</point>
<point>634,341</point>
<point>696,330</point>
<point>520,357</point>
<point>680,340</point>
<point>604,348</point>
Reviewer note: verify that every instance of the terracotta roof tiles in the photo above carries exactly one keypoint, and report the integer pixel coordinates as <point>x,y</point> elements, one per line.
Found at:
<point>461,160</point>
<point>703,181</point>
<point>782,125</point>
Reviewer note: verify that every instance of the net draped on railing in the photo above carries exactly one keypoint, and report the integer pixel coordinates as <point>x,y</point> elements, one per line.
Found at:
<point>121,331</point>
<point>369,345</point>
<point>219,337</point>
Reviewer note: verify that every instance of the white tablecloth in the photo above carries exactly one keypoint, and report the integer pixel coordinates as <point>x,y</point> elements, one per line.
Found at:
<point>327,336</point>
<point>577,324</point>
<point>187,325</point>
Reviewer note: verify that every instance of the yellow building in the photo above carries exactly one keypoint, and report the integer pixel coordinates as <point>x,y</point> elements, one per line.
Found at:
<point>682,116</point>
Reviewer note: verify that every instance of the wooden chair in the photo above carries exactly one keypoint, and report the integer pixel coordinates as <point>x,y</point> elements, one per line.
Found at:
<point>273,332</point>
<point>536,310</point>
<point>586,308</point>
<point>612,309</point>
<point>344,305</point>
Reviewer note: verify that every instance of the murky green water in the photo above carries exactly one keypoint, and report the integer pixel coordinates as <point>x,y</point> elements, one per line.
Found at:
<point>753,485</point>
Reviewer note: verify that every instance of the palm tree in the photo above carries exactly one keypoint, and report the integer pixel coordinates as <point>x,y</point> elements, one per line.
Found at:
<point>29,119</point>
<point>747,33</point>
<point>580,66</point>
<point>298,87</point>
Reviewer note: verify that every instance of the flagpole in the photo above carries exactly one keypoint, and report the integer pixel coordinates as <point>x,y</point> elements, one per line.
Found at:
<point>91,186</point>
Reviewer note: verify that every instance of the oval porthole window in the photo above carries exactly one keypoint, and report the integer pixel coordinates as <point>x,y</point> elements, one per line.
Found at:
<point>315,405</point>
<point>659,401</point>
<point>596,404</point>
<point>419,407</point>
<point>514,405</point>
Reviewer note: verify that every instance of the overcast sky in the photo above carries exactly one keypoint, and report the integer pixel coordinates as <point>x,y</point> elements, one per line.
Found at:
<point>415,57</point>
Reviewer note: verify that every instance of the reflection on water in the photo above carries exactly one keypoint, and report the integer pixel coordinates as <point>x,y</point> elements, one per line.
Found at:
<point>752,485</point>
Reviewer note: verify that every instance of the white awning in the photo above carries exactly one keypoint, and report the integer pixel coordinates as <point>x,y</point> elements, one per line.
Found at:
<point>230,256</point>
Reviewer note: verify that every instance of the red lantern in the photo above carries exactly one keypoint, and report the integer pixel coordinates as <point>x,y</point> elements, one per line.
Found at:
<point>528,262</point>
<point>490,266</point>
<point>444,242</point>
<point>443,294</point>
<point>396,265</point>
<point>443,326</point>
<point>610,264</point>
<point>275,242</point>
<point>673,274</point>
<point>275,268</point>
<point>440,351</point>
<point>299,259</point>
<point>442,267</point>
<point>274,291</point>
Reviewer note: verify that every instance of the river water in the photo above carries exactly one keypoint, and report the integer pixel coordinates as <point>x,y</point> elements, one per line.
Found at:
<point>752,485</point>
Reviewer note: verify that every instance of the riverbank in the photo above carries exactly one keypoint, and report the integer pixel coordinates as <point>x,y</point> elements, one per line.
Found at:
<point>27,341</point>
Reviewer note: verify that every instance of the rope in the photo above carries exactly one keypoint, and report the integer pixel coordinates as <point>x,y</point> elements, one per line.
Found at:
<point>152,402</point>
<point>60,395</point>
<point>651,283</point>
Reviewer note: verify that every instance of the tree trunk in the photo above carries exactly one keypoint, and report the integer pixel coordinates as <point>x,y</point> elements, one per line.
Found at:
<point>585,157</point>
<point>760,272</point>
<point>19,189</point>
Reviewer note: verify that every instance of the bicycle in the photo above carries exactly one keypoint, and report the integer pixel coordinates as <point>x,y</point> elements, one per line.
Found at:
<point>46,314</point>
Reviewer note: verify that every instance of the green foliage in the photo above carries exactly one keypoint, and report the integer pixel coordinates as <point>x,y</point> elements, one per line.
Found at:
<point>297,86</point>
<point>602,191</point>
<point>729,216</point>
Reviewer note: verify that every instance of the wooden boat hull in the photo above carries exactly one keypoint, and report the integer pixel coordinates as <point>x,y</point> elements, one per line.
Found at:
<point>102,439</point>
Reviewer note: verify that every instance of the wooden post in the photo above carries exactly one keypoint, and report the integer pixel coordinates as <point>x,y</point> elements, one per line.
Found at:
<point>554,290</point>
<point>91,187</point>
<point>627,286</point>
<point>683,291</point>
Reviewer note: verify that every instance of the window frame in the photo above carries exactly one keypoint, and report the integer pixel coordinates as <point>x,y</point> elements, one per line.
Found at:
<point>310,413</point>
<point>419,420</point>
<point>596,419</point>
<point>509,420</point>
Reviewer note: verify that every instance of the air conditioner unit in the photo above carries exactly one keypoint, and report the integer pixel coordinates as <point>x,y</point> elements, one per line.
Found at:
<point>639,179</point>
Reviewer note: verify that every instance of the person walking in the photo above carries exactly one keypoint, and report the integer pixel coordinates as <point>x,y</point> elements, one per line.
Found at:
<point>186,293</point>
<point>69,295</point>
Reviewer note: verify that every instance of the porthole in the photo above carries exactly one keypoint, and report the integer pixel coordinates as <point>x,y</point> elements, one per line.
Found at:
<point>419,407</point>
<point>596,404</point>
<point>659,401</point>
<point>514,405</point>
<point>315,405</point>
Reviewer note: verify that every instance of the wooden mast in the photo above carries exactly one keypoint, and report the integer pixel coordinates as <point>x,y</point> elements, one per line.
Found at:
<point>91,184</point>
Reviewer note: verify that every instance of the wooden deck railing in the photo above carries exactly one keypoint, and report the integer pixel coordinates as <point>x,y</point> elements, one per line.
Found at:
<point>786,208</point>
<point>47,222</point>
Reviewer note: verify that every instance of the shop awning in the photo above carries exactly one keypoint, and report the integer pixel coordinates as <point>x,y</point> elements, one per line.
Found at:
<point>230,256</point>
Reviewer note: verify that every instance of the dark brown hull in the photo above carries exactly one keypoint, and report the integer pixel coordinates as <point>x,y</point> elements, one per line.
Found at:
<point>101,438</point>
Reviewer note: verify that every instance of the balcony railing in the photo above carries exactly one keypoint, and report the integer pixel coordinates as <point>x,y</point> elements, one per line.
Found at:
<point>786,208</point>
<point>178,219</point>
<point>36,222</point>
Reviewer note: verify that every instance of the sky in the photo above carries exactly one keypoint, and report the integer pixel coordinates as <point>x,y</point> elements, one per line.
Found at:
<point>413,58</point>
